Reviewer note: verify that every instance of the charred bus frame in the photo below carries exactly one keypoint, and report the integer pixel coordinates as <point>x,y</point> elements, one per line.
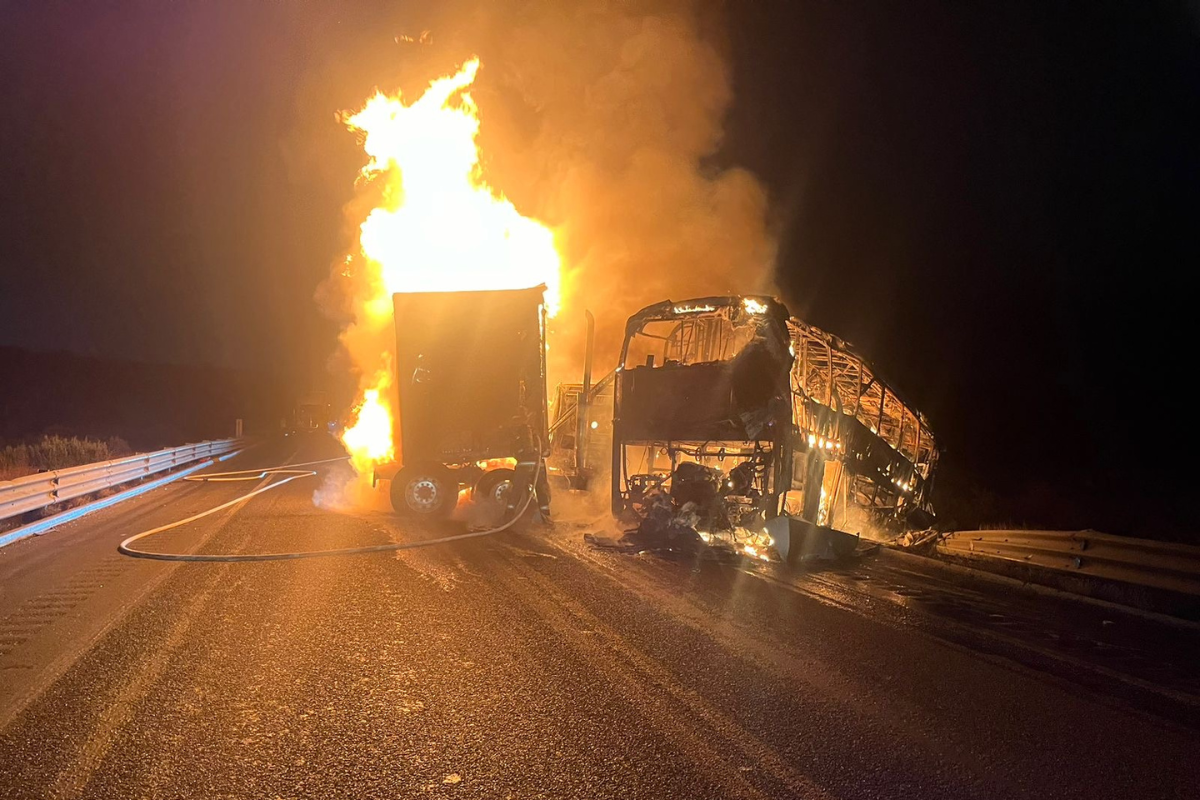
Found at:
<point>771,415</point>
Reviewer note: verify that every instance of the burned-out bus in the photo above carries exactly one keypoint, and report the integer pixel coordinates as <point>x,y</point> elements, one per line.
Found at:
<point>729,413</point>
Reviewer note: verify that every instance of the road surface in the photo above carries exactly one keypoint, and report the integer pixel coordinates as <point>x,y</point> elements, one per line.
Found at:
<point>528,665</point>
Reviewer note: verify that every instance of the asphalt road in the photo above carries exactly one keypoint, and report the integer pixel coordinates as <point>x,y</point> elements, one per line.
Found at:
<point>528,665</point>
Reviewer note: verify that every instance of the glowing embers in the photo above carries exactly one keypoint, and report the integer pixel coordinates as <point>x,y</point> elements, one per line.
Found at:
<point>821,443</point>
<point>753,306</point>
<point>496,463</point>
<point>758,545</point>
<point>743,542</point>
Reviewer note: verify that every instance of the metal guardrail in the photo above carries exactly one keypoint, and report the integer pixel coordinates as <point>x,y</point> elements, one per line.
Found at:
<point>1161,565</point>
<point>33,492</point>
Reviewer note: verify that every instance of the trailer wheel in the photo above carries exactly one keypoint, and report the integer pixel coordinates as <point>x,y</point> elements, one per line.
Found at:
<point>494,485</point>
<point>425,490</point>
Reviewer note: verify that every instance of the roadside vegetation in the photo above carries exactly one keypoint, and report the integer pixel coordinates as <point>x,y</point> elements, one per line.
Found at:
<point>57,452</point>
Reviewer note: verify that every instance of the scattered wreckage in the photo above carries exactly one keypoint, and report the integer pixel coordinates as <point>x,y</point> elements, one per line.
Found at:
<point>737,425</point>
<point>734,425</point>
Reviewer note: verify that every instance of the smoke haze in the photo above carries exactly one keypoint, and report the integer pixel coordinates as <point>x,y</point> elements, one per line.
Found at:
<point>598,119</point>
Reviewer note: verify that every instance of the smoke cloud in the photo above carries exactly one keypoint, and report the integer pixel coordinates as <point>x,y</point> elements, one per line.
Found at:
<point>600,119</point>
<point>606,118</point>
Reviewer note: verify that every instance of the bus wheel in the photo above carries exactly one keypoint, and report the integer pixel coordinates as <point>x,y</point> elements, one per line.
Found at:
<point>426,491</point>
<point>494,485</point>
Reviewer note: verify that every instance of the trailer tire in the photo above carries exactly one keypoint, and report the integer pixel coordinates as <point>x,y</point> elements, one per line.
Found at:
<point>494,485</point>
<point>425,491</point>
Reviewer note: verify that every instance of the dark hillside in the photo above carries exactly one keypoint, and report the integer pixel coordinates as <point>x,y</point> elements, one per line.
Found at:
<point>148,405</point>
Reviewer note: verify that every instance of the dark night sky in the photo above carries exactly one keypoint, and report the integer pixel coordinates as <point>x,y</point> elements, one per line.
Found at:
<point>149,210</point>
<point>998,202</point>
<point>1001,206</point>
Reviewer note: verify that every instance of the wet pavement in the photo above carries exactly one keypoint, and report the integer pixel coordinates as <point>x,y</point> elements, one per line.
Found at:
<point>529,665</point>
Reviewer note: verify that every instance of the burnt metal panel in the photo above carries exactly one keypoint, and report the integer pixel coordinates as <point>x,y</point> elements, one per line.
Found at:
<point>469,367</point>
<point>692,402</point>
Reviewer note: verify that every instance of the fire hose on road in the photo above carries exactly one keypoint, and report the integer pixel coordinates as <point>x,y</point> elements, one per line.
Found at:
<point>294,472</point>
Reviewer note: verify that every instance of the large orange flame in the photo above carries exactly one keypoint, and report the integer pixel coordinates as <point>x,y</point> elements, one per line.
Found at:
<point>439,227</point>
<point>370,440</point>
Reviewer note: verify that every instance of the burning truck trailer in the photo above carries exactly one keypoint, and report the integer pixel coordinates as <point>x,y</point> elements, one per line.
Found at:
<point>471,377</point>
<point>739,425</point>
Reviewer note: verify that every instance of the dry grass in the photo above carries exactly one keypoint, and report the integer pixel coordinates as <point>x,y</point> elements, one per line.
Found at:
<point>57,452</point>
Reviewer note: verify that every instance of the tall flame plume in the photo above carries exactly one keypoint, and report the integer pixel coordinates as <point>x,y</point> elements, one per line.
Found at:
<point>439,227</point>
